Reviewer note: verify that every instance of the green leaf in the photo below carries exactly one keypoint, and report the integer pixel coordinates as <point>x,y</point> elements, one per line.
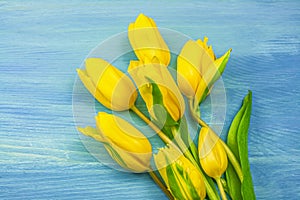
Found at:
<point>232,134</point>
<point>210,181</point>
<point>162,117</point>
<point>233,183</point>
<point>242,138</point>
<point>221,68</point>
<point>215,77</point>
<point>237,141</point>
<point>205,94</point>
<point>158,100</point>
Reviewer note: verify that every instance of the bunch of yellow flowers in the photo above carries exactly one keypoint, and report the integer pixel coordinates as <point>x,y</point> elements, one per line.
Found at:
<point>183,169</point>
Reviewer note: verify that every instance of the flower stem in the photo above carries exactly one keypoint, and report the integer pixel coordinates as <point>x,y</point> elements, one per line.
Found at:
<point>161,185</point>
<point>151,124</point>
<point>162,136</point>
<point>223,194</point>
<point>210,192</point>
<point>230,155</point>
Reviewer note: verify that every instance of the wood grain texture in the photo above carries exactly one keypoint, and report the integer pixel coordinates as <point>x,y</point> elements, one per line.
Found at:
<point>41,45</point>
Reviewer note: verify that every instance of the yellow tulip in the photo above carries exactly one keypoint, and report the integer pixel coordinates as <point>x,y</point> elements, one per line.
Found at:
<point>181,177</point>
<point>213,157</point>
<point>147,41</point>
<point>125,144</point>
<point>198,68</point>
<point>152,71</point>
<point>108,85</point>
<point>188,68</point>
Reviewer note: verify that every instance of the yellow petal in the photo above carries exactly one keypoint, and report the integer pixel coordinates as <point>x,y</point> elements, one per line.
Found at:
<point>171,96</point>
<point>213,157</point>
<point>146,94</point>
<point>143,21</point>
<point>207,56</point>
<point>146,40</point>
<point>188,68</point>
<point>95,68</point>
<point>207,48</point>
<point>91,132</point>
<point>200,92</point>
<point>88,83</point>
<point>133,64</point>
<point>137,72</point>
<point>133,161</point>
<point>122,134</point>
<point>174,107</point>
<point>113,84</point>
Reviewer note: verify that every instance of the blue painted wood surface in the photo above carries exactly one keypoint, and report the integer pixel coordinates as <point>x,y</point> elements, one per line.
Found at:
<point>42,43</point>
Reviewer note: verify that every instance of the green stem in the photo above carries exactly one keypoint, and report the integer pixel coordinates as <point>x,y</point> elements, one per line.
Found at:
<point>179,141</point>
<point>230,155</point>
<point>223,194</point>
<point>210,192</point>
<point>152,125</point>
<point>161,185</point>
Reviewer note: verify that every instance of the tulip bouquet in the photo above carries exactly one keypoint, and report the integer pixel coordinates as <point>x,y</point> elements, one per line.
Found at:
<point>208,168</point>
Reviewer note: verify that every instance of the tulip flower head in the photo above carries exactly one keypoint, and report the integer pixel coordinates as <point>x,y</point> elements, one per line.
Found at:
<point>108,85</point>
<point>156,86</point>
<point>181,177</point>
<point>213,157</point>
<point>147,41</point>
<point>125,144</point>
<point>198,69</point>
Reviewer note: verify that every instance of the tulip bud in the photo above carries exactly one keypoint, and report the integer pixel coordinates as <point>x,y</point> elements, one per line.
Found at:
<point>188,68</point>
<point>108,85</point>
<point>198,68</point>
<point>181,177</point>
<point>125,144</point>
<point>147,41</point>
<point>213,157</point>
<point>157,87</point>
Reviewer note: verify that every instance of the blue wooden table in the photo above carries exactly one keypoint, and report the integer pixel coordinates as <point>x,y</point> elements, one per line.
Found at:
<point>42,43</point>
